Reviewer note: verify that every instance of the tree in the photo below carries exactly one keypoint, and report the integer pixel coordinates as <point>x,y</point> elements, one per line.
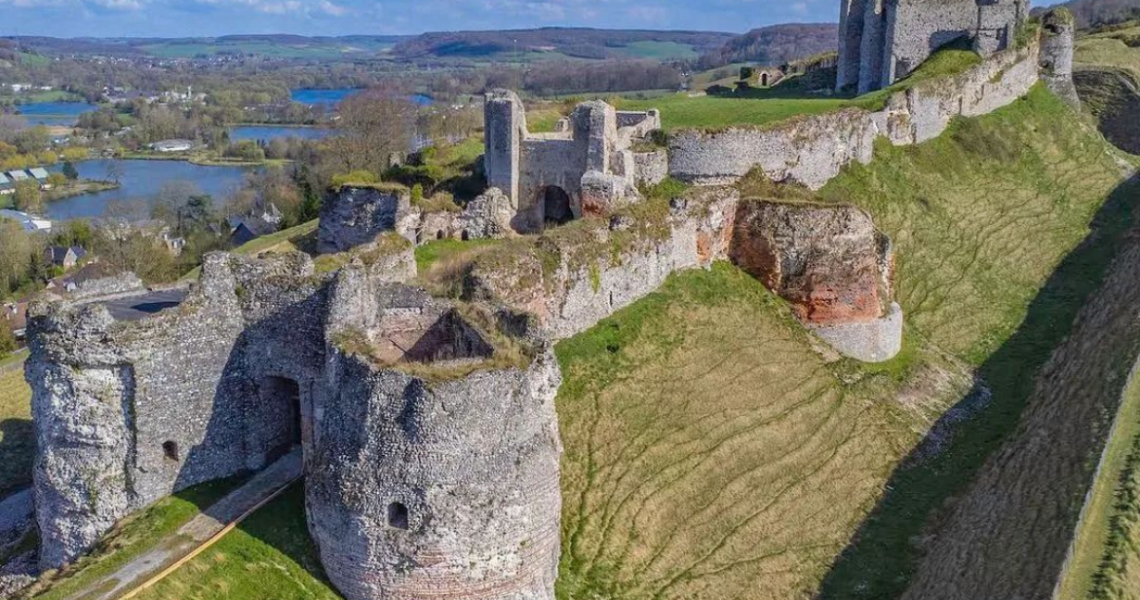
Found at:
<point>746,73</point>
<point>7,340</point>
<point>15,255</point>
<point>69,171</point>
<point>57,179</point>
<point>28,197</point>
<point>373,125</point>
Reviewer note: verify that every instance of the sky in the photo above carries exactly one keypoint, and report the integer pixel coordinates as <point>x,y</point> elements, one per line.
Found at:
<point>190,18</point>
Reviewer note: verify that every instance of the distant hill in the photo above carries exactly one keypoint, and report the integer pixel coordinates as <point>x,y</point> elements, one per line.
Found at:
<point>559,42</point>
<point>278,45</point>
<point>1097,13</point>
<point>775,45</point>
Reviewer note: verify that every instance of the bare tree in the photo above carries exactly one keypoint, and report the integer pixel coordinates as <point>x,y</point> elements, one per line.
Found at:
<point>373,125</point>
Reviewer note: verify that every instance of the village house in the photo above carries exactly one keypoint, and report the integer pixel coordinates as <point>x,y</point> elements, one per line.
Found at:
<point>63,256</point>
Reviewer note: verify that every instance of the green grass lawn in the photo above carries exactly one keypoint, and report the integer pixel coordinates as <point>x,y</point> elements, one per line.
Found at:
<point>130,538</point>
<point>17,439</point>
<point>767,106</point>
<point>269,555</point>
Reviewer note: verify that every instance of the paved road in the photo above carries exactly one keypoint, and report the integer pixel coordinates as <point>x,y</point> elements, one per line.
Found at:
<point>198,531</point>
<point>134,308</point>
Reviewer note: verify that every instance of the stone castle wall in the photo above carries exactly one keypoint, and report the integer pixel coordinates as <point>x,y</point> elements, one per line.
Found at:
<point>412,484</point>
<point>127,413</point>
<point>813,149</point>
<point>882,41</point>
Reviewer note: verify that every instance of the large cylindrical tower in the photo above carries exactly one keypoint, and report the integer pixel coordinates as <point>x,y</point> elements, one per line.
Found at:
<point>435,468</point>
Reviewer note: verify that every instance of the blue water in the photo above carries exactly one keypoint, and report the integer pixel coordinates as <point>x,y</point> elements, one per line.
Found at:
<point>267,133</point>
<point>327,98</point>
<point>141,181</point>
<point>330,98</point>
<point>54,113</point>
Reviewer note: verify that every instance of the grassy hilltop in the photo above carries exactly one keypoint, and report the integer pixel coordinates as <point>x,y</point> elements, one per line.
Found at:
<point>712,450</point>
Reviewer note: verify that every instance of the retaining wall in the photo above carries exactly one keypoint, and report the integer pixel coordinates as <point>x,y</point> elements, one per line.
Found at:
<point>813,149</point>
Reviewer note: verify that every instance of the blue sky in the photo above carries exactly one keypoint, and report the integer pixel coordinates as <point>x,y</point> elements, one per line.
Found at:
<point>178,18</point>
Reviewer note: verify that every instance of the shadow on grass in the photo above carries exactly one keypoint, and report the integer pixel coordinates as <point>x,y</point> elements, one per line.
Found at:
<point>282,525</point>
<point>17,450</point>
<point>882,557</point>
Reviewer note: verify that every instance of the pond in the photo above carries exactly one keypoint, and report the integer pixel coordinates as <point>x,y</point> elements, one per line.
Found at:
<point>265,133</point>
<point>141,181</point>
<point>54,113</point>
<point>329,98</point>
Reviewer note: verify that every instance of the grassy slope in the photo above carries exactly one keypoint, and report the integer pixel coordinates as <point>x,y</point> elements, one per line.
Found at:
<point>712,453</point>
<point>1106,559</point>
<point>981,218</point>
<point>17,440</point>
<point>1109,50</point>
<point>267,556</point>
<point>130,538</point>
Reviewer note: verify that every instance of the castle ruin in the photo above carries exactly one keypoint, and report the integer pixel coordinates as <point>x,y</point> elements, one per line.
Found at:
<point>882,41</point>
<point>587,166</point>
<point>427,425</point>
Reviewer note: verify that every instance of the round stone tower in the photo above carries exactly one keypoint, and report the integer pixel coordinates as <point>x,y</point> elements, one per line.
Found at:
<point>435,468</point>
<point>1056,60</point>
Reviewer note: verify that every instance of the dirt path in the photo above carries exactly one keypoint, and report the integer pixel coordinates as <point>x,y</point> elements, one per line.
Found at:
<point>196,535</point>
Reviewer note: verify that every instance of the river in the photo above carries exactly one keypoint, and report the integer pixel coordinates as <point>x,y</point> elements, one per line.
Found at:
<point>141,181</point>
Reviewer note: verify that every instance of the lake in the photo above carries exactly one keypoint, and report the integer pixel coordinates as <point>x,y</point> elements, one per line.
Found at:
<point>53,113</point>
<point>141,181</point>
<point>265,133</point>
<point>329,98</point>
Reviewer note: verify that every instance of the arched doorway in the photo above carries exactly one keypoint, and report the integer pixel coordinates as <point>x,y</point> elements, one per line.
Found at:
<point>764,79</point>
<point>556,206</point>
<point>281,408</point>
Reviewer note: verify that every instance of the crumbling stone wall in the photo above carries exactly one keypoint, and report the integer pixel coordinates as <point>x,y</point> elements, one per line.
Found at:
<point>443,486</point>
<point>1057,31</point>
<point>416,482</point>
<point>127,413</point>
<point>811,150</point>
<point>355,215</point>
<point>612,266</point>
<point>589,157</point>
<point>882,41</point>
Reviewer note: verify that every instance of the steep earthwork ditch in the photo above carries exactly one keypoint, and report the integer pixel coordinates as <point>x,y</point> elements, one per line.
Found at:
<point>1113,95</point>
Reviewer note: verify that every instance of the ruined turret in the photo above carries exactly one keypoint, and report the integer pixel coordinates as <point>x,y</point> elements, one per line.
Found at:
<point>438,451</point>
<point>1056,60</point>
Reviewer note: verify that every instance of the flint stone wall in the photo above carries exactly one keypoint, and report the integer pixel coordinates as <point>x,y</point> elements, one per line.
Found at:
<point>581,293</point>
<point>811,150</point>
<point>474,463</point>
<point>108,395</point>
<point>445,488</point>
<point>1057,31</point>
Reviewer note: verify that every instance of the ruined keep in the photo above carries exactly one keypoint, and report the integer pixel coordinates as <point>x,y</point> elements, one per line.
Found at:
<point>586,166</point>
<point>429,437</point>
<point>882,41</point>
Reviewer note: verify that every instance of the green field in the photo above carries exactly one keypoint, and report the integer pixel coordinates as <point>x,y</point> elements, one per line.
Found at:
<point>314,51</point>
<point>659,50</point>
<point>1119,49</point>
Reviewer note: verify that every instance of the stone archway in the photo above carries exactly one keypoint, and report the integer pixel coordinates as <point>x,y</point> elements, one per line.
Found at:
<point>281,405</point>
<point>764,80</point>
<point>556,206</point>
